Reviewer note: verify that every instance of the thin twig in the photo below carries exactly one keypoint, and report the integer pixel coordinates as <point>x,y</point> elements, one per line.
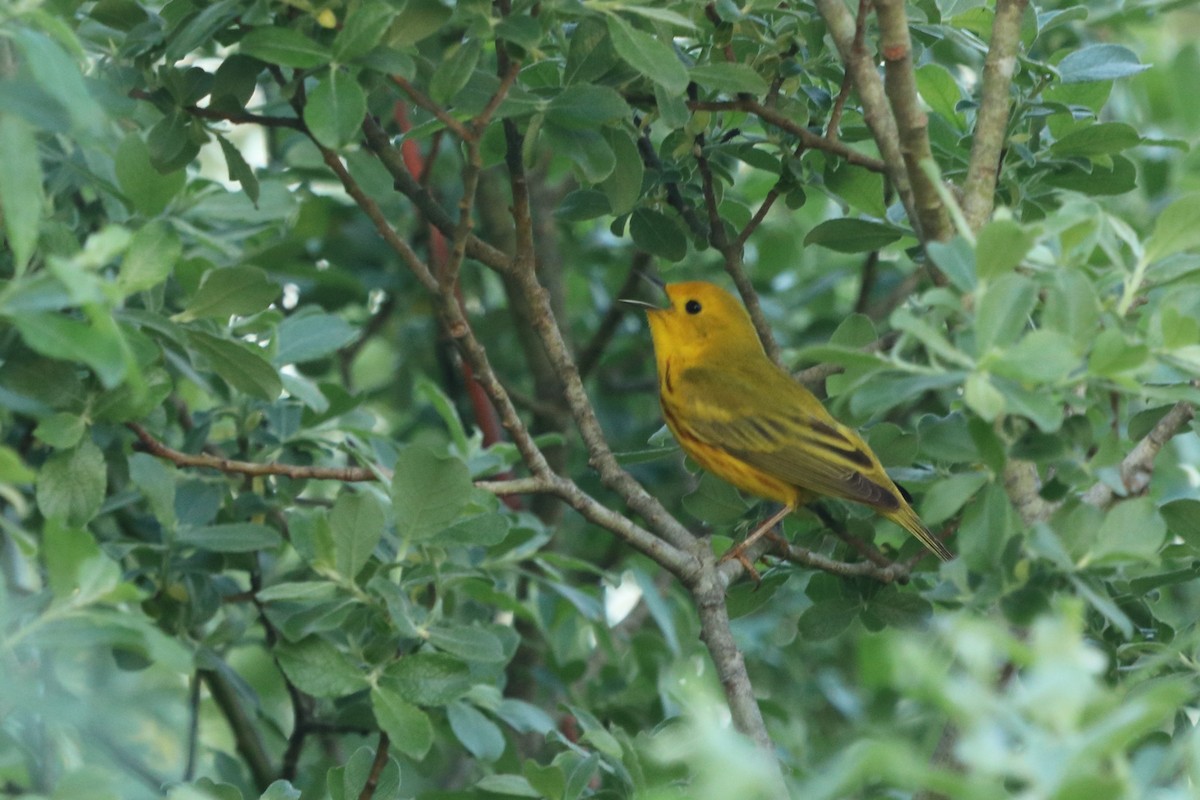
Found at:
<point>404,182</point>
<point>732,255</point>
<point>246,737</point>
<point>839,103</point>
<point>1138,464</point>
<point>675,197</point>
<point>236,117</point>
<point>991,120</point>
<point>381,760</point>
<point>420,99</point>
<point>180,459</point>
<point>785,123</point>
<point>589,356</point>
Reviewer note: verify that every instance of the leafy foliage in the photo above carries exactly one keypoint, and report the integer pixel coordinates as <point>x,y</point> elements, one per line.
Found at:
<point>233,240</point>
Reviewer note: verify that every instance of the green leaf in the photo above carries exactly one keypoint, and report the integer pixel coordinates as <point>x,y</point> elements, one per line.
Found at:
<point>1177,229</point>
<point>452,74</point>
<point>151,258</point>
<point>1183,519</point>
<point>58,75</point>
<point>408,727</point>
<point>76,569</point>
<point>60,336</point>
<point>1000,246</point>
<point>468,643</point>
<point>318,668</point>
<point>198,30</point>
<point>940,91</point>
<point>852,235</point>
<point>71,484</point>
<point>986,525</point>
<point>861,188</point>
<point>285,47</point>
<point>429,491</point>
<point>242,366</point>
<point>588,151</point>
<point>280,790</point>
<point>482,529</point>
<point>982,397</point>
<point>956,260</point>
<point>1102,139</point>
<point>647,54</point>
<point>1113,355</point>
<point>147,190</point>
<point>335,109</point>
<point>478,734</point>
<point>307,337</point>
<point>238,170</point>
<point>61,431</point>
<point>584,204</point>
<point>229,291</point>
<point>234,537</point>
<point>587,106</point>
<point>511,785</point>
<point>1132,529</point>
<point>657,234</point>
<point>427,679</point>
<point>729,77</point>
<point>590,54</point>
<point>1099,62</point>
<point>364,27</point>
<point>1116,179</point>
<point>948,495</point>
<point>21,195</point>
<point>1002,311</point>
<point>171,143</point>
<point>827,619</point>
<point>155,479</point>
<point>417,20</point>
<point>1042,356</point>
<point>357,525</point>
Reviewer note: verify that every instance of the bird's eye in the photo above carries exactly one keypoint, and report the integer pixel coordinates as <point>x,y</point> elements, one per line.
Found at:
<point>692,307</point>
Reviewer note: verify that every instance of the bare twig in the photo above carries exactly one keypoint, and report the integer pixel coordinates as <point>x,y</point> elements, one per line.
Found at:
<point>420,99</point>
<point>410,187</point>
<point>589,356</point>
<point>245,735</point>
<point>911,120</point>
<point>1138,464</point>
<point>839,103</point>
<point>785,123</point>
<point>991,120</point>
<point>236,117</point>
<point>675,198</point>
<point>732,255</point>
<point>156,448</point>
<point>381,760</point>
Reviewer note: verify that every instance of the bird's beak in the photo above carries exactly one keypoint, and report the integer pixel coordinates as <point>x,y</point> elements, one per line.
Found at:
<point>662,288</point>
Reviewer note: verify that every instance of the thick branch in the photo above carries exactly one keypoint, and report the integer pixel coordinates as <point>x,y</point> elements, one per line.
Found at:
<point>876,112</point>
<point>991,120</point>
<point>912,122</point>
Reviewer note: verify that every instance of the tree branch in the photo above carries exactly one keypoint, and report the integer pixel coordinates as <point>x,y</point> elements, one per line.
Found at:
<point>1138,464</point>
<point>876,112</point>
<point>784,123</point>
<point>381,760</point>
<point>901,87</point>
<point>991,120</point>
<point>731,253</point>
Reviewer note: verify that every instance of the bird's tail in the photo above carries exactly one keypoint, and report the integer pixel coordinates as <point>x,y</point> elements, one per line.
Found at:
<point>905,517</point>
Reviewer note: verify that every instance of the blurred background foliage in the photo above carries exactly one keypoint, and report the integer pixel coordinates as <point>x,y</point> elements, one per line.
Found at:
<point>181,257</point>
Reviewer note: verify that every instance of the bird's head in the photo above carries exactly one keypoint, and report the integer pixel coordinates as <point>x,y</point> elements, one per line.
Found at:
<point>700,320</point>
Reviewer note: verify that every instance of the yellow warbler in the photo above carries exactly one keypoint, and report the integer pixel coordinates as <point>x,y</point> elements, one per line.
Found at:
<point>746,421</point>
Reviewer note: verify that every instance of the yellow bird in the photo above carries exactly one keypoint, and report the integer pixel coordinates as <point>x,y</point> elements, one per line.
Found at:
<point>746,421</point>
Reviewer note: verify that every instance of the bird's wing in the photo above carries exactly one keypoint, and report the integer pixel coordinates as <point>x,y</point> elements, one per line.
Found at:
<point>777,426</point>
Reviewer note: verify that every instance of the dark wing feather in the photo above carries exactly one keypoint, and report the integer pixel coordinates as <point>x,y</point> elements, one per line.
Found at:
<point>791,438</point>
